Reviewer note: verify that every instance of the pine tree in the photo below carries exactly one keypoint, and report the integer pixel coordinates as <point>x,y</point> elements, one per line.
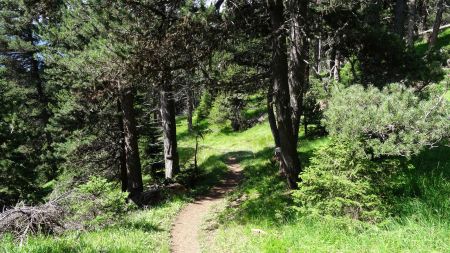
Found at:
<point>27,145</point>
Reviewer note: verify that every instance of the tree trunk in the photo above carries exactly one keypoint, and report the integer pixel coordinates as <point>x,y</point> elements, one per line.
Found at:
<point>167,103</point>
<point>399,17</point>
<point>298,67</point>
<point>133,162</point>
<point>271,117</point>
<point>337,66</point>
<point>317,55</point>
<point>422,13</point>
<point>411,22</point>
<point>332,60</point>
<point>282,98</point>
<point>275,133</point>
<point>122,155</point>
<point>437,23</point>
<point>189,107</point>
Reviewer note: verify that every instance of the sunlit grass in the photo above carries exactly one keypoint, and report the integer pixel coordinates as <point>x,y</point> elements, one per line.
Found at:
<point>422,224</point>
<point>140,231</point>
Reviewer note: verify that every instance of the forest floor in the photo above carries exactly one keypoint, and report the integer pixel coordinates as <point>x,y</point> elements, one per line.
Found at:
<point>188,224</point>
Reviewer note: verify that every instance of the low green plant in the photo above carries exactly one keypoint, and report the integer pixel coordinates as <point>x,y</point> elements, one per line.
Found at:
<point>375,133</point>
<point>341,181</point>
<point>97,203</point>
<point>394,121</point>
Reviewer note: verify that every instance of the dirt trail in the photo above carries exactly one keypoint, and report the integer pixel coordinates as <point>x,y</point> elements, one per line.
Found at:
<point>188,223</point>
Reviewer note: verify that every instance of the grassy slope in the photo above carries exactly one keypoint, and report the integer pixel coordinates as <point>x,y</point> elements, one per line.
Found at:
<point>423,226</point>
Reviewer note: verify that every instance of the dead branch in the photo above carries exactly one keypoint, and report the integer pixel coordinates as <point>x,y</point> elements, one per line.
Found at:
<point>22,220</point>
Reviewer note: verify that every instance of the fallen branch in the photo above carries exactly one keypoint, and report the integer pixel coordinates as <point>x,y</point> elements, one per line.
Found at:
<point>430,30</point>
<point>23,220</point>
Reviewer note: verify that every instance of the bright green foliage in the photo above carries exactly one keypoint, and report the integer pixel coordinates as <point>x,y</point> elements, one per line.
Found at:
<point>97,203</point>
<point>340,182</point>
<point>204,106</point>
<point>392,122</point>
<point>264,203</point>
<point>360,171</point>
<point>229,107</point>
<point>219,112</point>
<point>313,100</point>
<point>350,72</point>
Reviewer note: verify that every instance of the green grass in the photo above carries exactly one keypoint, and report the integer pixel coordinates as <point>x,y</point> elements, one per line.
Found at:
<point>422,223</point>
<point>140,231</point>
<point>422,226</point>
<point>443,41</point>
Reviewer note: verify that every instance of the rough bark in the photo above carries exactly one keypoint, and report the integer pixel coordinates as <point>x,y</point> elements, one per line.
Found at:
<point>337,66</point>
<point>282,98</point>
<point>422,13</point>
<point>411,22</point>
<point>317,55</point>
<point>167,108</point>
<point>133,162</point>
<point>271,117</point>
<point>332,60</point>
<point>189,107</point>
<point>399,17</point>
<point>122,155</point>
<point>437,23</point>
<point>298,52</point>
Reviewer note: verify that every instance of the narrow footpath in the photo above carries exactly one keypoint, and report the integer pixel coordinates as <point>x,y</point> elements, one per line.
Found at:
<point>187,225</point>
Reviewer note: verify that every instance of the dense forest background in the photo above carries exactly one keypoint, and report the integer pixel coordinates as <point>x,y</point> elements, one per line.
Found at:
<point>112,110</point>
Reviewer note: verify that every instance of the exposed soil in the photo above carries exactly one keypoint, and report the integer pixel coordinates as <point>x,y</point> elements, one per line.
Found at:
<point>187,226</point>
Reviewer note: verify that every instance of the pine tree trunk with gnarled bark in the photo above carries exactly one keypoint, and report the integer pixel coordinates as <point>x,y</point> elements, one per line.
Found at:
<point>298,66</point>
<point>437,23</point>
<point>271,117</point>
<point>122,155</point>
<point>411,22</point>
<point>189,107</point>
<point>167,107</point>
<point>282,99</point>
<point>133,162</point>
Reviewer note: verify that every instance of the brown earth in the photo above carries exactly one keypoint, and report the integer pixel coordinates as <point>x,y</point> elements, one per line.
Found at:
<point>187,225</point>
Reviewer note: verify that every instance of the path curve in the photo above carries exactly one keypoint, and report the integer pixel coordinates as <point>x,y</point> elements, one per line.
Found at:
<point>185,231</point>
